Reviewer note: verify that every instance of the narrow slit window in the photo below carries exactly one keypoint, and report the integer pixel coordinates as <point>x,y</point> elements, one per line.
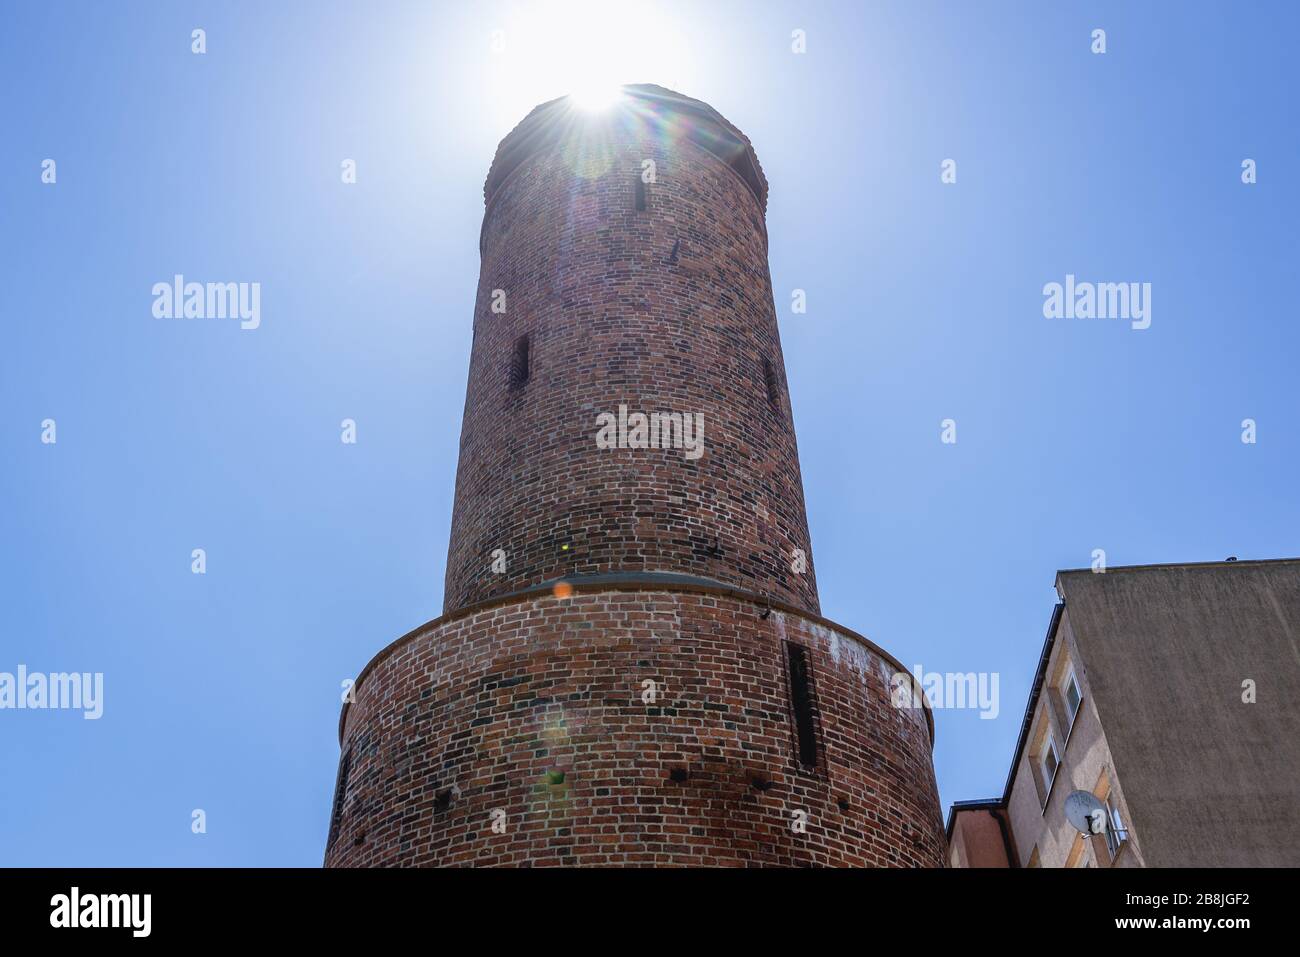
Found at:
<point>340,794</point>
<point>519,363</point>
<point>801,700</point>
<point>773,386</point>
<point>640,194</point>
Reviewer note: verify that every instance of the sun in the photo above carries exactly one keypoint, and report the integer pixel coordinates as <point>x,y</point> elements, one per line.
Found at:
<point>583,49</point>
<point>595,96</point>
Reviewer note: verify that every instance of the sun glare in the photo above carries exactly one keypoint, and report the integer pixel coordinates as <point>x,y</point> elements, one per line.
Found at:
<point>586,49</point>
<point>595,95</point>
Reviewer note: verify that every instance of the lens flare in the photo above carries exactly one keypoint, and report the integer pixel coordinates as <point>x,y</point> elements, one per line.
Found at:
<point>596,96</point>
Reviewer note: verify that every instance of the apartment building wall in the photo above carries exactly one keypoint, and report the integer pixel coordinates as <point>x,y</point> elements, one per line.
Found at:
<point>1188,722</point>
<point>1212,780</point>
<point>1036,805</point>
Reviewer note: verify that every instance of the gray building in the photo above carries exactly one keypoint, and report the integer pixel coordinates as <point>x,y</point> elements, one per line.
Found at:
<point>1171,693</point>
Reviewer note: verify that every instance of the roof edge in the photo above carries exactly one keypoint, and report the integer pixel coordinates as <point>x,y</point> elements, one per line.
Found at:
<point>1222,563</point>
<point>545,124</point>
<point>983,804</point>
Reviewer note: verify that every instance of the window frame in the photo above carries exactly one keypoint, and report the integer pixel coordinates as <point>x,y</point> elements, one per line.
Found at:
<point>1116,833</point>
<point>1070,678</point>
<point>1049,747</point>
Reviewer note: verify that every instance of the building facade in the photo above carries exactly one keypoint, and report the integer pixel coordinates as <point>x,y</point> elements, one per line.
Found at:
<point>631,667</point>
<point>1168,692</point>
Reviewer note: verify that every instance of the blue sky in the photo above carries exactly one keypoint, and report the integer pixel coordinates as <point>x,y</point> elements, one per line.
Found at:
<point>924,303</point>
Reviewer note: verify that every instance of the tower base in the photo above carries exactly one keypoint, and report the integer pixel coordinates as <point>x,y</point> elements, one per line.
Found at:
<point>641,720</point>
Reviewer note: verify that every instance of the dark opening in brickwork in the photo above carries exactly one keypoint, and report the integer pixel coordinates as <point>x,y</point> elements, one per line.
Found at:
<point>801,700</point>
<point>640,194</point>
<point>340,792</point>
<point>519,363</point>
<point>773,385</point>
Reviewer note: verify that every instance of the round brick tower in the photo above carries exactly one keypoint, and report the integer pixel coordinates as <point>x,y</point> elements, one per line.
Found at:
<point>630,667</point>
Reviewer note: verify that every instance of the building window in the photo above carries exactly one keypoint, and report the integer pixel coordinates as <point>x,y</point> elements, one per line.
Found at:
<point>1050,762</point>
<point>340,794</point>
<point>773,386</point>
<point>519,363</point>
<point>801,701</point>
<point>1115,833</point>
<point>640,194</point>
<point>1073,697</point>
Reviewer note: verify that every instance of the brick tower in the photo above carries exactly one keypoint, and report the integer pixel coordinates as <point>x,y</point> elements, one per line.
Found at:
<point>630,667</point>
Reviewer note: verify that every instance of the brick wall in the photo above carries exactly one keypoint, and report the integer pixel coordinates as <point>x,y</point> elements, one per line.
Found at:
<point>526,712</point>
<point>613,317</point>
<point>534,709</point>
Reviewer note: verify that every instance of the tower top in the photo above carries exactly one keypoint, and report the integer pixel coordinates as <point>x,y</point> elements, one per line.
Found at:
<point>668,113</point>
<point>629,304</point>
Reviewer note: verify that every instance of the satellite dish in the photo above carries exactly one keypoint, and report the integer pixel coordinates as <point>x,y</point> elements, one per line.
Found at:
<point>1081,809</point>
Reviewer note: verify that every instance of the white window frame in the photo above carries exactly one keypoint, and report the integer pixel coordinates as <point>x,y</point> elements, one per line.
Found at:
<point>1072,679</point>
<point>1049,744</point>
<point>1116,834</point>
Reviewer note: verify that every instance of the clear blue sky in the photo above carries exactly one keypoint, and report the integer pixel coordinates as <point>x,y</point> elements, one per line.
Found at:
<point>924,303</point>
